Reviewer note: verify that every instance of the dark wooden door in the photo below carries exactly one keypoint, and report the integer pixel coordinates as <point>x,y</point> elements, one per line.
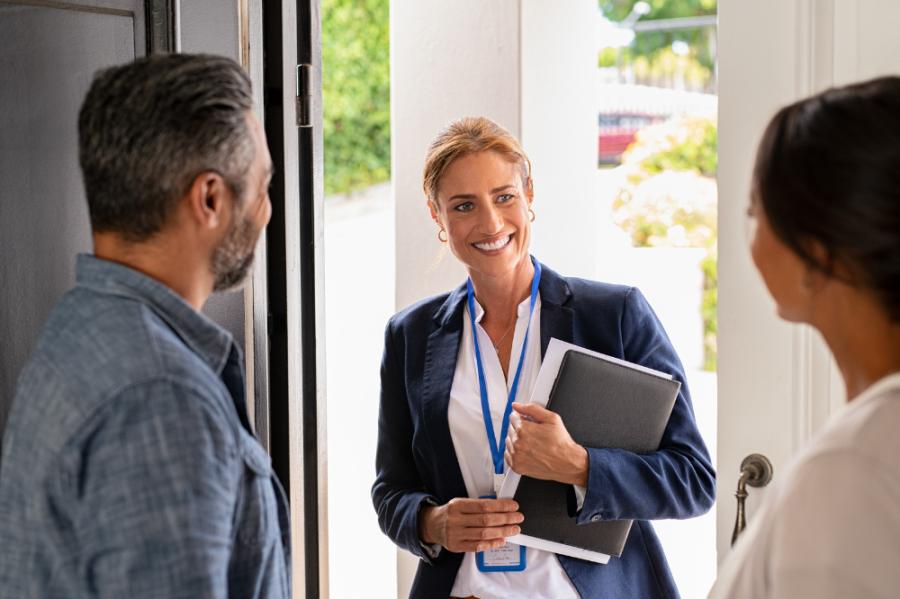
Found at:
<point>49,52</point>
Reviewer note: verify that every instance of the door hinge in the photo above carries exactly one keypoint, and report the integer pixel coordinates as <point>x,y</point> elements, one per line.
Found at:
<point>304,95</point>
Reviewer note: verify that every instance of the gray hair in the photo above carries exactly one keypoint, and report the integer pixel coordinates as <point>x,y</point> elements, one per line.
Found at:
<point>148,128</point>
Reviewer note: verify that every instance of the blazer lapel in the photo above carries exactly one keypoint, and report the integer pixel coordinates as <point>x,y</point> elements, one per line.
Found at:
<point>441,351</point>
<point>556,316</point>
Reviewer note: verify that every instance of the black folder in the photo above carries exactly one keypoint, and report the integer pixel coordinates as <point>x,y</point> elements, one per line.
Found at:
<point>603,403</point>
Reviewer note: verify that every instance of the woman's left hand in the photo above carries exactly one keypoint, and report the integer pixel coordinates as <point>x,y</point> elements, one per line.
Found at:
<point>538,445</point>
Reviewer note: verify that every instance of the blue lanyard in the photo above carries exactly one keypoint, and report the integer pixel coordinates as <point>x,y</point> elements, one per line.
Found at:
<point>497,448</point>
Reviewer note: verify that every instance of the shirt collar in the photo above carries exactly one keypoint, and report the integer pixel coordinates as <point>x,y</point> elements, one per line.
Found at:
<point>879,387</point>
<point>554,292</point>
<point>208,340</point>
<point>521,310</point>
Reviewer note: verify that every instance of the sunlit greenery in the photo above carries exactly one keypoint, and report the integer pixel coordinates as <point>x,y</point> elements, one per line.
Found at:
<point>669,199</point>
<point>692,146</point>
<point>651,54</point>
<point>356,89</point>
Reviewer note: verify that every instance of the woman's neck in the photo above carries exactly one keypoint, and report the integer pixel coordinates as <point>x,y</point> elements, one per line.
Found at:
<point>866,347</point>
<point>500,296</point>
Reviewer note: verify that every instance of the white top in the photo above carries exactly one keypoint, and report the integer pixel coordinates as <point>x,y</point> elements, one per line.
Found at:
<point>830,525</point>
<point>543,576</point>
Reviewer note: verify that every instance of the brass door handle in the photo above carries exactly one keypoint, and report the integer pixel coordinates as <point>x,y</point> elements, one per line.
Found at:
<point>756,471</point>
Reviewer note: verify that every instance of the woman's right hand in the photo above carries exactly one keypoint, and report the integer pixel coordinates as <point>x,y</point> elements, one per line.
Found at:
<point>464,524</point>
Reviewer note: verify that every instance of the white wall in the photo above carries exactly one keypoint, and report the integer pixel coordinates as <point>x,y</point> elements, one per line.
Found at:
<point>531,67</point>
<point>448,60</point>
<point>559,131</point>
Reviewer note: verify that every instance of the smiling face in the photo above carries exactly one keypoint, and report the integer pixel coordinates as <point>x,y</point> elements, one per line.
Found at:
<point>482,203</point>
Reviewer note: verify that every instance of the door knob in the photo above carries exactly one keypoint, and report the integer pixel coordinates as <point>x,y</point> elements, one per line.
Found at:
<point>756,471</point>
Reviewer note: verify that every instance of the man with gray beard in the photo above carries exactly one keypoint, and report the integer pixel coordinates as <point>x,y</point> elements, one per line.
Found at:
<point>129,468</point>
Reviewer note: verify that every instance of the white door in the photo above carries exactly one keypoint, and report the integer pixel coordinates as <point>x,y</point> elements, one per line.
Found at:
<point>777,383</point>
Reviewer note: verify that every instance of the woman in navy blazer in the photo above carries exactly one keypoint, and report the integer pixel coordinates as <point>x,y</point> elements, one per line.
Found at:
<point>419,481</point>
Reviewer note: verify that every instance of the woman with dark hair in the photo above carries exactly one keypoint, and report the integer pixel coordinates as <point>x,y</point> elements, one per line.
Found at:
<point>455,364</point>
<point>826,207</point>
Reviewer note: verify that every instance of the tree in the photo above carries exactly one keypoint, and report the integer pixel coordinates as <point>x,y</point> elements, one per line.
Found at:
<point>655,45</point>
<point>668,198</point>
<point>616,10</point>
<point>356,90</point>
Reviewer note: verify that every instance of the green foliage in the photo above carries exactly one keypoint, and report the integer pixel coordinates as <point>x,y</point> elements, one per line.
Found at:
<point>651,50</point>
<point>694,149</point>
<point>616,10</point>
<point>709,308</point>
<point>356,90</point>
<point>669,199</point>
<point>665,68</point>
<point>607,58</point>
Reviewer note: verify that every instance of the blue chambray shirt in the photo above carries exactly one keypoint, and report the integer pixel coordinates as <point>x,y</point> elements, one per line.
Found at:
<point>129,468</point>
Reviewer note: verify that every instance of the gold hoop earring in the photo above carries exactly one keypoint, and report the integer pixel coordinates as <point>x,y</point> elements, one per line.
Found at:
<point>444,238</point>
<point>531,214</point>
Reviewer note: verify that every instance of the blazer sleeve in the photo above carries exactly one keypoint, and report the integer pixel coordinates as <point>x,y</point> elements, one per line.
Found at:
<point>677,480</point>
<point>398,492</point>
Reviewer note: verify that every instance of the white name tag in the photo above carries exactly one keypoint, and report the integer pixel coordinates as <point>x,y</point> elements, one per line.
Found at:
<point>509,558</point>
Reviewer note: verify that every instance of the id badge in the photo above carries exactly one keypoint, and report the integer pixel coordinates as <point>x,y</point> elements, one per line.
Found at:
<point>509,558</point>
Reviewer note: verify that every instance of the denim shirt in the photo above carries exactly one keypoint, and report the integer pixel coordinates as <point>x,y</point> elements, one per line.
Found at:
<point>129,468</point>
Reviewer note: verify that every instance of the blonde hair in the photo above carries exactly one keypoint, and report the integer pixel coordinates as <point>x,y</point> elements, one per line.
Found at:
<point>465,136</point>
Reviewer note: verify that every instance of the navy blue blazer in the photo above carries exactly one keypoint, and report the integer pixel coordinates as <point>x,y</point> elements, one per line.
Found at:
<point>416,461</point>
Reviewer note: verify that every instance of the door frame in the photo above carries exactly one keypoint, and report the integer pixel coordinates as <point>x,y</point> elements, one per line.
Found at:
<point>295,279</point>
<point>158,17</point>
<point>777,383</point>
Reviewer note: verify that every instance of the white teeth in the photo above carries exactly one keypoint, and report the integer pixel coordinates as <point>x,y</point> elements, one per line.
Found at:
<point>500,243</point>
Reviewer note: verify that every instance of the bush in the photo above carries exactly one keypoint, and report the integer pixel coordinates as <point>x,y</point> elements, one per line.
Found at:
<point>680,144</point>
<point>669,199</point>
<point>692,146</point>
<point>668,209</point>
<point>356,90</point>
<point>709,308</point>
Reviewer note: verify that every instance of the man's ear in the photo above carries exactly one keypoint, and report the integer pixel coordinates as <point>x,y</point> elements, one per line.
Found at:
<point>208,200</point>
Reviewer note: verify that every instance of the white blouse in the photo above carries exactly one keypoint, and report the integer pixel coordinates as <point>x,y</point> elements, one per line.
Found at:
<point>830,526</point>
<point>543,575</point>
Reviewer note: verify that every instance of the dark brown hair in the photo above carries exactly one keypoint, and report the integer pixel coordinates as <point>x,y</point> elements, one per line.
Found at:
<point>828,172</point>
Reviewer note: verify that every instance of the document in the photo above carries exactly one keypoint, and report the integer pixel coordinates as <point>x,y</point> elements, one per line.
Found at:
<point>604,402</point>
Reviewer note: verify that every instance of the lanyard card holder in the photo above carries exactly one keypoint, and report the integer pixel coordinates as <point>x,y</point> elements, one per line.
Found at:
<point>509,558</point>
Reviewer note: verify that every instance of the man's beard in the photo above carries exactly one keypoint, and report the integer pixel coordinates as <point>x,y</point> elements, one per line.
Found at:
<point>232,259</point>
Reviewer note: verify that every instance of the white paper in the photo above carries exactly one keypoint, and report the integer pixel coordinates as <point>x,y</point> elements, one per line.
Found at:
<point>553,358</point>
<point>536,543</point>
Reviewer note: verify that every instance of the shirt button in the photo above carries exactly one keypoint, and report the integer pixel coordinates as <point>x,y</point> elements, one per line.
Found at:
<point>595,518</point>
